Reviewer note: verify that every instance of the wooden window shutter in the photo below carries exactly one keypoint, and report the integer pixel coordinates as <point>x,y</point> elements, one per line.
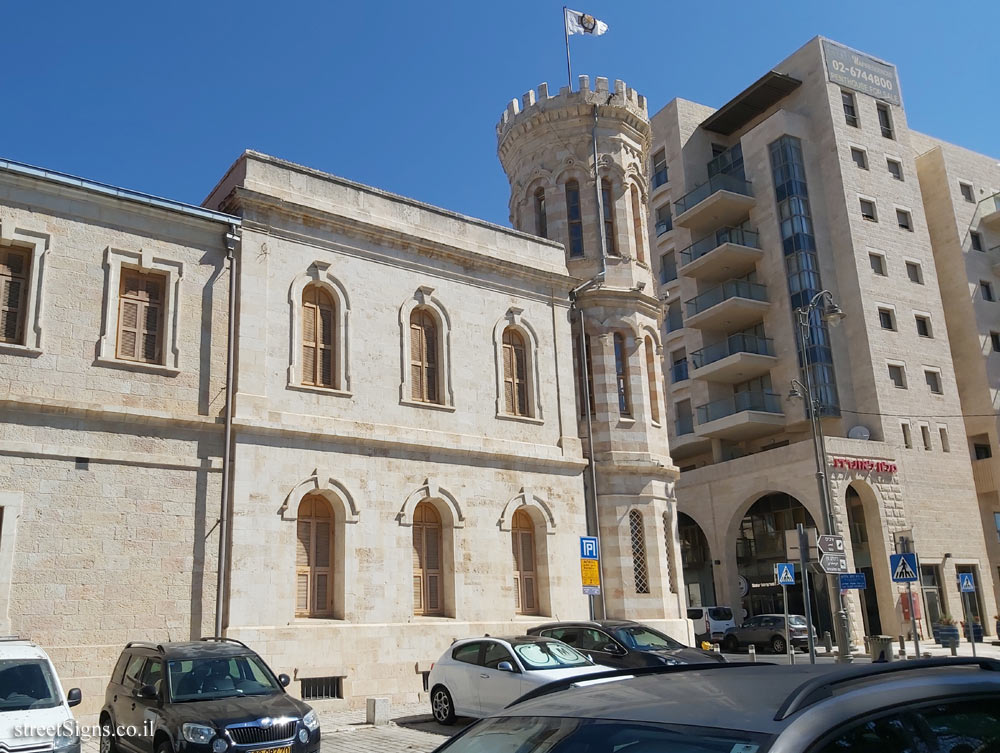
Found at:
<point>515,373</point>
<point>525,576</point>
<point>314,558</point>
<point>141,316</point>
<point>14,268</point>
<point>423,357</point>
<point>319,321</point>
<point>427,565</point>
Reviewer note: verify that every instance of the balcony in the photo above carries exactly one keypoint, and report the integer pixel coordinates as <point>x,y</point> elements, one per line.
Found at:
<point>727,253</point>
<point>735,359</point>
<point>983,475</point>
<point>745,415</point>
<point>995,257</point>
<point>991,212</point>
<point>679,372</point>
<point>685,442</point>
<point>733,305</point>
<point>723,201</point>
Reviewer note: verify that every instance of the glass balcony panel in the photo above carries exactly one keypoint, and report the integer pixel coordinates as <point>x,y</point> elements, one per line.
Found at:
<point>731,289</point>
<point>765,402</point>
<point>679,372</point>
<point>720,182</point>
<point>736,235</point>
<point>684,425</point>
<point>739,343</point>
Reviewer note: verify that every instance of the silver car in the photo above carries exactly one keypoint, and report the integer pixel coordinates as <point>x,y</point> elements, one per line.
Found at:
<point>767,631</point>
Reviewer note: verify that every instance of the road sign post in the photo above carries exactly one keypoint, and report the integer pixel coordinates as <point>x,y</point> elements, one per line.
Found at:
<point>803,553</point>
<point>590,566</point>
<point>904,569</point>
<point>784,573</point>
<point>967,585</point>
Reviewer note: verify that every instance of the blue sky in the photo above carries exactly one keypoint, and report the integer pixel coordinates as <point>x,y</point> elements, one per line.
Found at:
<point>162,97</point>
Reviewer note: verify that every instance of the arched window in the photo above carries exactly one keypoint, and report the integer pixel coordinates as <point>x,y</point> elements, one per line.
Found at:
<point>541,220</point>
<point>654,400</point>
<point>638,225</point>
<point>314,558</point>
<point>424,357</point>
<point>639,568</point>
<point>609,216</point>
<point>621,377</point>
<point>585,381</point>
<point>515,373</point>
<point>525,576</point>
<point>574,218</point>
<point>318,323</point>
<point>427,560</point>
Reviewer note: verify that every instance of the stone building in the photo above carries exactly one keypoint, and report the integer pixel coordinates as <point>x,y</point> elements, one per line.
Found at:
<point>805,181</point>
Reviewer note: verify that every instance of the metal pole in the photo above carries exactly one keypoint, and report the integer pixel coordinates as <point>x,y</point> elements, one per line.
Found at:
<point>913,620</point>
<point>788,631</point>
<point>803,561</point>
<point>569,68</point>
<point>968,621</point>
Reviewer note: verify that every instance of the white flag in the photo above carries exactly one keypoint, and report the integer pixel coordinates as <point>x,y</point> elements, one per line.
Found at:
<point>583,23</point>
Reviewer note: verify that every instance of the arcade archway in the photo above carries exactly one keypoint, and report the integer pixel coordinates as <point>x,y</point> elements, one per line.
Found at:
<point>699,573</point>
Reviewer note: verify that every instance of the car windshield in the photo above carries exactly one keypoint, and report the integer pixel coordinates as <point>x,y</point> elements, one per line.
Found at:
<point>567,735</point>
<point>720,614</point>
<point>646,639</point>
<point>549,655</point>
<point>207,679</point>
<point>27,684</point>
<point>796,620</point>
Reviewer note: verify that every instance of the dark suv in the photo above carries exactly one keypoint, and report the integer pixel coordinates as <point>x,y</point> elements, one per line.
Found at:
<point>209,696</point>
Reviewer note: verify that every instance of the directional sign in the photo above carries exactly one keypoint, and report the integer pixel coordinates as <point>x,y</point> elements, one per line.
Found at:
<point>830,544</point>
<point>966,583</point>
<point>588,548</point>
<point>853,580</point>
<point>903,567</point>
<point>833,564</point>
<point>785,573</point>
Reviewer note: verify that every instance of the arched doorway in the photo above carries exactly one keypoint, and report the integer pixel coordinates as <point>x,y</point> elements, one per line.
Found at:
<point>696,558</point>
<point>760,545</point>
<point>858,526</point>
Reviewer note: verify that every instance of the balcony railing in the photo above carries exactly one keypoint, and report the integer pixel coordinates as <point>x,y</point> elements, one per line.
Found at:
<point>664,225</point>
<point>684,425</point>
<point>730,289</point>
<point>674,319</point>
<point>668,272</point>
<point>679,372</point>
<point>720,182</point>
<point>765,402</point>
<point>659,177</point>
<point>735,235</point>
<point>763,346</point>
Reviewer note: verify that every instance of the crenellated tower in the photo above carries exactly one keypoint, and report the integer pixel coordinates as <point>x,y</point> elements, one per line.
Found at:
<point>547,146</point>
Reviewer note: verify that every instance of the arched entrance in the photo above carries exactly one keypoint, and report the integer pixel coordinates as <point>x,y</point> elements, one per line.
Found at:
<point>861,546</point>
<point>760,544</point>
<point>699,578</point>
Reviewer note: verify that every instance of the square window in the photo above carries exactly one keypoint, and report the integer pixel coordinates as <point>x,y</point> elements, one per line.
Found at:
<point>987,290</point>
<point>659,168</point>
<point>925,434</point>
<point>850,108</point>
<point>977,241</point>
<point>907,440</point>
<point>860,158</point>
<point>668,267</point>
<point>868,210</point>
<point>904,220</point>
<point>933,380</point>
<point>885,120</point>
<point>995,340</point>
<point>967,194</point>
<point>898,376</point>
<point>982,451</point>
<point>945,445</point>
<point>664,222</point>
<point>914,272</point>
<point>878,264</point>
<point>923,325</point>
<point>886,319</point>
<point>895,168</point>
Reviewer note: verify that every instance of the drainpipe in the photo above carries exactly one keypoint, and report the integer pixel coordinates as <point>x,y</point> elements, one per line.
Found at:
<point>231,239</point>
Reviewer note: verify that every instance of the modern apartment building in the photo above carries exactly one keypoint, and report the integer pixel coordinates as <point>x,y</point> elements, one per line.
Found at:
<point>807,181</point>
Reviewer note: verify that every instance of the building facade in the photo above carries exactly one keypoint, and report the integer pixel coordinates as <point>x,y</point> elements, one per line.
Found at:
<point>808,181</point>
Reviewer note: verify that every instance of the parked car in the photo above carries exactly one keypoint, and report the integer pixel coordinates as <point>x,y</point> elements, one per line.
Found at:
<point>933,705</point>
<point>479,676</point>
<point>710,623</point>
<point>768,631</point>
<point>34,713</point>
<point>624,643</point>
<point>209,696</point>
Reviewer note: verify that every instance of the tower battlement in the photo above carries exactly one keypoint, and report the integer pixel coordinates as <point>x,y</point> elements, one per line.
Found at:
<point>534,102</point>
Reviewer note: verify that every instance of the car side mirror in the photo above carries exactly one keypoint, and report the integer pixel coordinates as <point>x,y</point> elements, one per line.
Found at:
<point>612,648</point>
<point>284,680</point>
<point>147,692</point>
<point>73,697</point>
<point>505,666</point>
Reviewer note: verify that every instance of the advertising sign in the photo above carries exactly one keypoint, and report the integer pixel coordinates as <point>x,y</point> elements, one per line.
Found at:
<point>860,72</point>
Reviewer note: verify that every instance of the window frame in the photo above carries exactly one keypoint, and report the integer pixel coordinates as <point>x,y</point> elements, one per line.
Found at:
<point>514,320</point>
<point>889,162</point>
<point>986,291</point>
<point>902,372</point>
<point>915,265</point>
<point>882,263</point>
<point>944,438</point>
<point>639,551</point>
<point>856,152</point>
<point>925,319</point>
<point>318,273</point>
<point>907,434</point>
<point>659,169</point>
<point>36,244</point>
<point>847,99</point>
<point>638,223</point>
<point>23,281</point>
<point>904,219</point>
<point>424,528</point>
<point>652,366</point>
<point>311,570</point>
<point>886,125</point>
<point>976,242</point>
<point>664,220</point>
<point>541,212</point>
<point>623,388</point>
<point>862,200</point>
<point>424,298</point>
<point>970,197</point>
<point>890,312</point>
<point>937,377</point>
<point>571,188</point>
<point>142,307</point>
<point>995,341</point>
<point>521,531</point>
<point>315,309</point>
<point>608,224</point>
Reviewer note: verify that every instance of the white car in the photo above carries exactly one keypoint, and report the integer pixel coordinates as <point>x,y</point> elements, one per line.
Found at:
<point>34,713</point>
<point>479,676</point>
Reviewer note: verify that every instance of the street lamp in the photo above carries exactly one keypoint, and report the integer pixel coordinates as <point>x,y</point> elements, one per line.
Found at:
<point>832,314</point>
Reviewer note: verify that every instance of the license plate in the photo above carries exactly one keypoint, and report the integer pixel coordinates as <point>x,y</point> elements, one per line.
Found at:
<point>284,749</point>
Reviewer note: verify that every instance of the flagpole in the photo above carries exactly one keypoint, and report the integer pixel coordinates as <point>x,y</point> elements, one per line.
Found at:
<point>569,68</point>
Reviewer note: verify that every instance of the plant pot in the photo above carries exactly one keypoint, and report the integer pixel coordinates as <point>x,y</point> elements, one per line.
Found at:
<point>977,632</point>
<point>945,634</point>
<point>997,626</point>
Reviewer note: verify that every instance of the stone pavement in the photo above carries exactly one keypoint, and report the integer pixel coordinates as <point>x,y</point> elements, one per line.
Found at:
<point>412,730</point>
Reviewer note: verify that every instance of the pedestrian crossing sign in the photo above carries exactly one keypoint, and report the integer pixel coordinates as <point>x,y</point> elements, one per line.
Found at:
<point>785,572</point>
<point>903,567</point>
<point>966,583</point>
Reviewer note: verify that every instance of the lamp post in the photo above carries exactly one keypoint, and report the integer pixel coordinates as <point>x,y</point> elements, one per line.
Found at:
<point>832,314</point>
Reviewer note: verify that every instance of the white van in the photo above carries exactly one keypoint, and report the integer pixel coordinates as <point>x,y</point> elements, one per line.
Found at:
<point>711,623</point>
<point>34,712</point>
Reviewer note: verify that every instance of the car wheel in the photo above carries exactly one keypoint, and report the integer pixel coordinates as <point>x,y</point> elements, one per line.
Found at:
<point>778,644</point>
<point>107,743</point>
<point>442,706</point>
<point>164,747</point>
<point>730,643</point>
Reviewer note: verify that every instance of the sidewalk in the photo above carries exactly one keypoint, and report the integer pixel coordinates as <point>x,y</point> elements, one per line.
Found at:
<point>412,730</point>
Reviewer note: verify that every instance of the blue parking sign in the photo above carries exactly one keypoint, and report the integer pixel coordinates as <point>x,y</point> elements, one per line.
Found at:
<point>588,548</point>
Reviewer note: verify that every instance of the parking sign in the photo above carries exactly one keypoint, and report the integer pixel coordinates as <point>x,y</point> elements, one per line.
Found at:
<point>588,548</point>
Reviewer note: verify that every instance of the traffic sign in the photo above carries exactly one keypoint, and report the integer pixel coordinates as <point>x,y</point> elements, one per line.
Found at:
<point>830,544</point>
<point>785,573</point>
<point>833,564</point>
<point>590,574</point>
<point>852,580</point>
<point>966,583</point>
<point>588,548</point>
<point>903,567</point>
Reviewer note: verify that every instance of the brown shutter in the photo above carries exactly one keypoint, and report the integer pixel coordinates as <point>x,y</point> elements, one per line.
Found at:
<point>508,375</point>
<point>418,569</point>
<point>427,568</point>
<point>525,578</point>
<point>14,268</point>
<point>140,316</point>
<point>314,557</point>
<point>417,361</point>
<point>319,338</point>
<point>423,357</point>
<point>308,343</point>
